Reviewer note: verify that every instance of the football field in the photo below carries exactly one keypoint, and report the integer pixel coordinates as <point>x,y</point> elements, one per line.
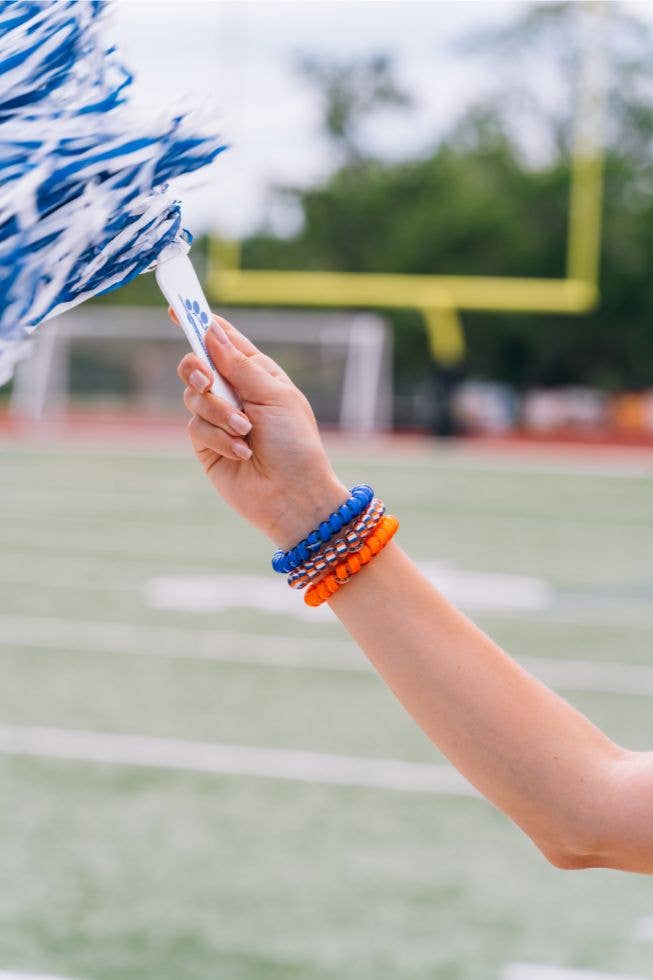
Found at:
<point>202,780</point>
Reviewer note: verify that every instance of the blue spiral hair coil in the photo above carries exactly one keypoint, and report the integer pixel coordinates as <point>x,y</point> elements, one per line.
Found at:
<point>285,562</point>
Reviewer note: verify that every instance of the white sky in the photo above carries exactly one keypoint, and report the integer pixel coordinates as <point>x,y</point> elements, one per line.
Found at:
<point>233,59</point>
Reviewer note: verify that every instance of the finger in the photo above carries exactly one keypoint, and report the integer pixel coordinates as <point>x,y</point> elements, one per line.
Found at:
<point>217,411</point>
<point>271,366</point>
<point>193,372</point>
<point>209,436</point>
<point>250,380</point>
<point>239,340</point>
<point>206,456</point>
<point>245,345</point>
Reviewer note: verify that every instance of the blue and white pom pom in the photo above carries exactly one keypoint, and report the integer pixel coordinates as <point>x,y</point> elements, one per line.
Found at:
<point>84,199</point>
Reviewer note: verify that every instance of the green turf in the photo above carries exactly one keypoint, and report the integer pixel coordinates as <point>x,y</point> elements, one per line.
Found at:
<point>110,872</point>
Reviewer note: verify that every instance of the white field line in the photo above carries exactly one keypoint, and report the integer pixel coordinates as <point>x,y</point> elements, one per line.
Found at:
<point>644,929</point>
<point>587,675</point>
<point>480,591</point>
<point>159,641</point>
<point>57,574</point>
<point>92,574</point>
<point>93,518</point>
<point>76,500</point>
<point>636,468</point>
<point>233,760</point>
<point>287,651</point>
<point>213,593</point>
<point>13,975</point>
<point>621,618</point>
<point>531,971</point>
<point>626,464</point>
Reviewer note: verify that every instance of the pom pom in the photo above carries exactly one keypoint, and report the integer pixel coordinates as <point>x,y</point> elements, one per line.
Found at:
<point>84,202</point>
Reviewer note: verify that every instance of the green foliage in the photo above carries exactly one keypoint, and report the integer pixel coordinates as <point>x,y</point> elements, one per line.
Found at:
<point>470,208</point>
<point>474,206</point>
<point>350,93</point>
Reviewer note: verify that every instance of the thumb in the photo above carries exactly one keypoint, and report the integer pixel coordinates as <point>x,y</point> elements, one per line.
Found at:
<point>249,379</point>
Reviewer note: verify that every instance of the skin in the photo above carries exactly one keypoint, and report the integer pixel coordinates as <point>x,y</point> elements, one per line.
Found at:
<point>583,800</point>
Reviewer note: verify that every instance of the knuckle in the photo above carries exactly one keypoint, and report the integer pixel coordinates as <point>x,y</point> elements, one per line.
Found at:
<point>222,410</point>
<point>289,394</point>
<point>206,434</point>
<point>259,359</point>
<point>208,407</point>
<point>195,429</point>
<point>229,327</point>
<point>184,367</point>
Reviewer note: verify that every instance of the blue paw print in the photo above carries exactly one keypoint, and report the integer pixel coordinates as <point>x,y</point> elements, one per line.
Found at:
<point>195,313</point>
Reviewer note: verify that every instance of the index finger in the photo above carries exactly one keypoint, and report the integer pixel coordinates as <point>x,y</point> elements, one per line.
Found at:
<point>194,372</point>
<point>239,340</point>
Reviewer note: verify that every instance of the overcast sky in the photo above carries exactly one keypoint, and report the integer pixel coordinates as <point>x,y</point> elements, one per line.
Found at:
<point>233,59</point>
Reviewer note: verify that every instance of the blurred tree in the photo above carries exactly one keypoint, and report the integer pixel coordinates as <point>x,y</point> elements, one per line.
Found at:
<point>549,35</point>
<point>350,93</point>
<point>476,204</point>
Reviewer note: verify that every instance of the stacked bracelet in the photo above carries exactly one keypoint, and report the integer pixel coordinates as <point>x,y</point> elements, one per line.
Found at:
<point>328,586</point>
<point>286,561</point>
<point>336,551</point>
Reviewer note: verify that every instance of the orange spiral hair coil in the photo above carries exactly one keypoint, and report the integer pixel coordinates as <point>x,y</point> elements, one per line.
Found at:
<point>320,591</point>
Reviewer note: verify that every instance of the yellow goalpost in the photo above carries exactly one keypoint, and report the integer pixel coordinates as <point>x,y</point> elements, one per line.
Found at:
<point>441,298</point>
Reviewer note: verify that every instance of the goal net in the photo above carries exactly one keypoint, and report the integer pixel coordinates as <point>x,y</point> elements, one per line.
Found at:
<point>126,357</point>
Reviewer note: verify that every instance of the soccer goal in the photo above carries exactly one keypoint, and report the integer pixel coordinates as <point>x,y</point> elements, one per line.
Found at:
<point>127,356</point>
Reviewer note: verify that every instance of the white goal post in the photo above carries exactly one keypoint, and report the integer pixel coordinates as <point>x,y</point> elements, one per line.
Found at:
<point>343,361</point>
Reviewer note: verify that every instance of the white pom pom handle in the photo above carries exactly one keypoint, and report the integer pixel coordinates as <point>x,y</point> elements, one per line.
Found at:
<point>180,286</point>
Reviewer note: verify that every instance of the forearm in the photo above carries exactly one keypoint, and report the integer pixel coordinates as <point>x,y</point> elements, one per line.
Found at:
<point>573,791</point>
<point>528,751</point>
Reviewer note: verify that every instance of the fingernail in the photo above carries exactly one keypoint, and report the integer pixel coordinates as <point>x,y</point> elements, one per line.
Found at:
<point>239,424</point>
<point>198,381</point>
<point>218,332</point>
<point>240,449</point>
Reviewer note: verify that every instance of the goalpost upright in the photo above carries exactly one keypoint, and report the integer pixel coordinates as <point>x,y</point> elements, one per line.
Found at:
<point>441,298</point>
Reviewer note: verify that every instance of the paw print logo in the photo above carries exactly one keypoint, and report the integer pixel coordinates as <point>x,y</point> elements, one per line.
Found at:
<point>195,315</point>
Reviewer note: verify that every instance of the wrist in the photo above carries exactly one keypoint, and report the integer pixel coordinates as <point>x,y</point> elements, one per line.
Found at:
<point>306,511</point>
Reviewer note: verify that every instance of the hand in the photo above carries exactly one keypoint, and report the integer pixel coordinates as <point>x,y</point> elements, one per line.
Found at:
<point>267,462</point>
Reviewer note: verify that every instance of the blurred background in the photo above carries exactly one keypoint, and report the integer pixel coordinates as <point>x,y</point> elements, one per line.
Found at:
<point>438,216</point>
<point>500,140</point>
